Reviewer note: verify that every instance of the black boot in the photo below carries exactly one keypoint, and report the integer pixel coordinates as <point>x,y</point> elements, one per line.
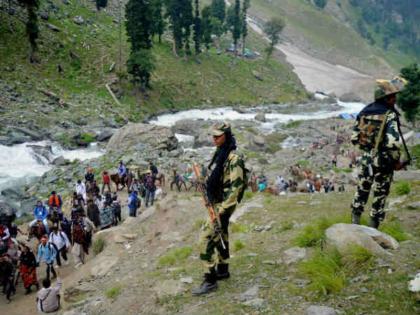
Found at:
<point>28,290</point>
<point>209,284</point>
<point>223,271</point>
<point>355,218</point>
<point>374,222</point>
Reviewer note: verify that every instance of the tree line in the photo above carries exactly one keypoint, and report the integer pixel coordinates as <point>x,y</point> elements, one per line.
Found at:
<point>191,27</point>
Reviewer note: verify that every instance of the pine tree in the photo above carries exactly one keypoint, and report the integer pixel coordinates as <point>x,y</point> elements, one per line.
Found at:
<point>206,26</point>
<point>187,22</point>
<point>32,29</point>
<point>245,6</point>
<point>237,25</point>
<point>139,31</point>
<point>218,10</point>
<point>174,12</point>
<point>409,98</point>
<point>197,28</point>
<point>101,4</point>
<point>159,24</point>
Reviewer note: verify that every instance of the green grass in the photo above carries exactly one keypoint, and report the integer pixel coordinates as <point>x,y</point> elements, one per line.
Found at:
<point>402,188</point>
<point>98,245</point>
<point>293,124</point>
<point>415,152</point>
<point>113,293</point>
<point>357,258</point>
<point>239,228</point>
<point>87,138</point>
<point>314,233</point>
<point>324,270</point>
<point>395,229</point>
<point>238,245</point>
<point>303,163</point>
<point>175,256</point>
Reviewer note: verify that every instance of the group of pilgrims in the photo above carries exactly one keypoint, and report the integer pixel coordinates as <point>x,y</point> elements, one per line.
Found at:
<point>58,234</point>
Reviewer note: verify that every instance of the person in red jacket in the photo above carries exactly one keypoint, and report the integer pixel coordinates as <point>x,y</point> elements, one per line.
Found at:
<point>106,181</point>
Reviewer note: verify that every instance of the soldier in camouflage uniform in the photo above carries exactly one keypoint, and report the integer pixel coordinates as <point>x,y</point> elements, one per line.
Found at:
<point>225,187</point>
<point>376,133</point>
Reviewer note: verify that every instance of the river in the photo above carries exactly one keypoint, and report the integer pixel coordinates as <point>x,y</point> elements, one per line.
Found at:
<point>20,163</point>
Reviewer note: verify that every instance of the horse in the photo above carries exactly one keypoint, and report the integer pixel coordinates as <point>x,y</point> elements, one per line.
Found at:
<point>37,230</point>
<point>117,180</point>
<point>179,181</point>
<point>161,178</point>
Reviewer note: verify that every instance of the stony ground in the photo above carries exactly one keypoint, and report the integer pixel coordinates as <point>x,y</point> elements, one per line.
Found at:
<point>150,263</point>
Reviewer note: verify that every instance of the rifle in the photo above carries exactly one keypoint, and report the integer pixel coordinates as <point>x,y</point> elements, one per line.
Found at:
<point>214,216</point>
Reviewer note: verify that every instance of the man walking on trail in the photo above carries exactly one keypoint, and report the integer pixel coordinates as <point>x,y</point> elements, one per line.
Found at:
<point>224,189</point>
<point>377,133</point>
<point>47,253</point>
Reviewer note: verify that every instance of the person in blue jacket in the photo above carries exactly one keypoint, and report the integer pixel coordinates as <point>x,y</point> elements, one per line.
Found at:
<point>40,214</point>
<point>47,253</point>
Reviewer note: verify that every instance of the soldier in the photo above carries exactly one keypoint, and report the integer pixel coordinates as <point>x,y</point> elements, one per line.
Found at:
<point>224,188</point>
<point>377,133</point>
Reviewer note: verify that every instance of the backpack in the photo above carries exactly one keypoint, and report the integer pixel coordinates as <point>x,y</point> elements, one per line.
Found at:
<point>367,130</point>
<point>246,175</point>
<point>79,234</point>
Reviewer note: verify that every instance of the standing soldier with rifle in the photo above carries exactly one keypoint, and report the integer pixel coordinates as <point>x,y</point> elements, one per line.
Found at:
<point>223,190</point>
<point>377,133</point>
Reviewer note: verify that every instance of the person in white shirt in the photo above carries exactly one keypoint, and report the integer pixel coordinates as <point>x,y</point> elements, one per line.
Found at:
<point>81,189</point>
<point>48,298</point>
<point>60,240</point>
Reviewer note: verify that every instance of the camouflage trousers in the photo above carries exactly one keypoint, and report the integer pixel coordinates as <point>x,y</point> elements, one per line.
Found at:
<point>212,251</point>
<point>380,178</point>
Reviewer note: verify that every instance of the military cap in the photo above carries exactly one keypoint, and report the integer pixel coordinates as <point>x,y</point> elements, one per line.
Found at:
<point>389,87</point>
<point>220,128</point>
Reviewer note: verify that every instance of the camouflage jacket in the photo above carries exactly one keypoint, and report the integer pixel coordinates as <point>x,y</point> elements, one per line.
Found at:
<point>233,182</point>
<point>366,132</point>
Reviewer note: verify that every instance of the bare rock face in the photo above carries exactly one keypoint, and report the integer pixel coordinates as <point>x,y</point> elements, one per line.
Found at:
<point>139,136</point>
<point>320,310</point>
<point>342,235</point>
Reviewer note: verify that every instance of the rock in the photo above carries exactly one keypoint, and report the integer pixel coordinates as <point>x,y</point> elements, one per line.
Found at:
<point>44,15</point>
<point>169,287</point>
<point>258,141</point>
<point>42,152</point>
<point>73,294</point>
<point>342,235</point>
<point>103,264</point>
<point>320,310</point>
<point>187,280</point>
<point>129,236</point>
<point>350,97</point>
<point>136,136</point>
<point>104,135</point>
<point>414,285</point>
<point>293,255</point>
<point>250,294</point>
<point>53,27</point>
<point>260,117</point>
<point>257,75</point>
<point>255,303</point>
<point>60,161</point>
<point>414,205</point>
<point>78,20</point>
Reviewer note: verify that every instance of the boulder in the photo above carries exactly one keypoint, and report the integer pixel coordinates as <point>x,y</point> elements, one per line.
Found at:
<point>414,285</point>
<point>133,136</point>
<point>293,255</point>
<point>104,135</point>
<point>78,20</point>
<point>53,27</point>
<point>320,310</point>
<point>44,15</point>
<point>260,117</point>
<point>60,161</point>
<point>342,235</point>
<point>250,294</point>
<point>169,288</point>
<point>42,153</point>
<point>350,97</point>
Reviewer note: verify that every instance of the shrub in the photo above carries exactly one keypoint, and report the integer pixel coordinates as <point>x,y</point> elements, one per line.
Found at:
<point>98,245</point>
<point>313,234</point>
<point>356,257</point>
<point>293,124</point>
<point>113,292</point>
<point>175,255</point>
<point>87,138</point>
<point>238,245</point>
<point>324,270</point>
<point>402,188</point>
<point>394,229</point>
<point>238,228</point>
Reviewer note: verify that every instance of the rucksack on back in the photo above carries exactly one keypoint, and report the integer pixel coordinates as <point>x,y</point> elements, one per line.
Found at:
<point>246,174</point>
<point>366,131</point>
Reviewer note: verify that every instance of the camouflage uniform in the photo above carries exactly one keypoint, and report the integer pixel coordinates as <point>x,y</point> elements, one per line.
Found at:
<point>212,251</point>
<point>375,167</point>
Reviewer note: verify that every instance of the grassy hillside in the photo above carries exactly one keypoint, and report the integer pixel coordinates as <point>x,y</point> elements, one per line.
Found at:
<point>86,52</point>
<point>329,34</point>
